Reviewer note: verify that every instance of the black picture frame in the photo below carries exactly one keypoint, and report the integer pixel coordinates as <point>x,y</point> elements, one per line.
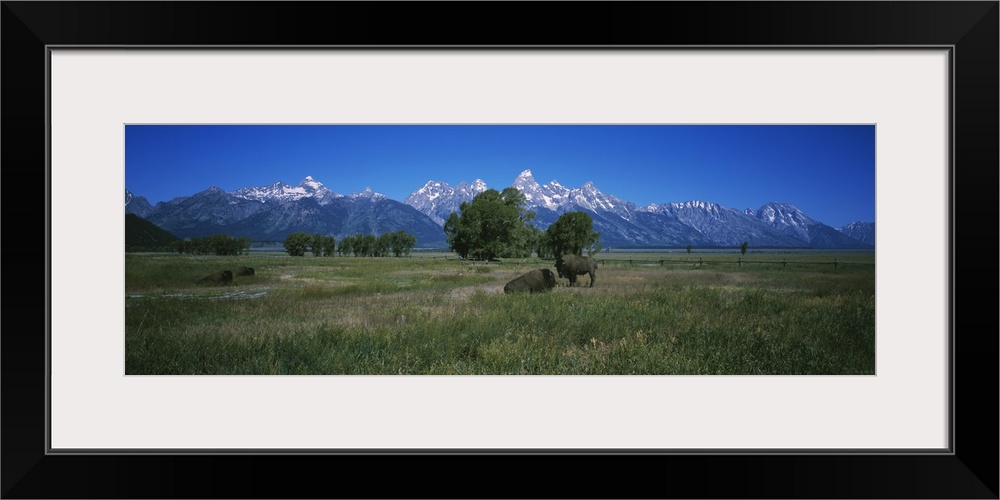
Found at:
<point>969,28</point>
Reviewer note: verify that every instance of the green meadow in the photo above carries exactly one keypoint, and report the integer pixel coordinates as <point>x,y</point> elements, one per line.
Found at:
<point>720,313</point>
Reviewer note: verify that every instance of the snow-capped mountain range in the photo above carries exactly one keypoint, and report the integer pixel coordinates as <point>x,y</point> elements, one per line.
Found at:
<point>281,192</point>
<point>438,200</point>
<point>269,213</point>
<point>623,223</point>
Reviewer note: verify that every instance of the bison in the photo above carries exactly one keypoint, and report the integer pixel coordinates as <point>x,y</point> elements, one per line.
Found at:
<point>217,278</point>
<point>570,266</point>
<point>244,271</point>
<point>534,281</point>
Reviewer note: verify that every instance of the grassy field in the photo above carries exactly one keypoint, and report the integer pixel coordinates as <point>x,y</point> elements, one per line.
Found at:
<point>699,313</point>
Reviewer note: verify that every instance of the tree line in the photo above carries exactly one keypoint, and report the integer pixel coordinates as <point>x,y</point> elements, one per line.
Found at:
<point>495,224</point>
<point>398,243</point>
<point>219,244</point>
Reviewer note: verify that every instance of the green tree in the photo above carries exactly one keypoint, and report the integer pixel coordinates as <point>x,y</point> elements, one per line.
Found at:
<point>316,245</point>
<point>344,248</point>
<point>523,233</point>
<point>382,244</point>
<point>595,247</point>
<point>689,248</point>
<point>495,224</point>
<point>540,243</point>
<point>458,231</point>
<point>571,233</point>
<point>367,245</point>
<point>402,242</point>
<point>323,246</point>
<point>330,246</point>
<point>743,249</point>
<point>296,244</point>
<point>357,245</point>
<point>242,246</point>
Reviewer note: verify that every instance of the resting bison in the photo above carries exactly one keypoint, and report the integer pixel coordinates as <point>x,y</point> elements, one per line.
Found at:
<point>244,271</point>
<point>536,280</point>
<point>217,278</point>
<point>570,266</point>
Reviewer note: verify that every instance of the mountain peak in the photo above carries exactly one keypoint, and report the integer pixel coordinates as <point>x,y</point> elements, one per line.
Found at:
<point>773,209</point>
<point>368,193</point>
<point>433,188</point>
<point>786,217</point>
<point>311,183</point>
<point>525,181</point>
<point>281,192</point>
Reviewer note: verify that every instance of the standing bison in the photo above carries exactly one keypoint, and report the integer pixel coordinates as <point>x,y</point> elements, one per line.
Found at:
<point>534,281</point>
<point>217,278</point>
<point>570,266</point>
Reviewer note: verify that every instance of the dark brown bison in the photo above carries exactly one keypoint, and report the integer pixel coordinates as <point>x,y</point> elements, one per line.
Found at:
<point>244,271</point>
<point>570,266</point>
<point>217,278</point>
<point>534,281</point>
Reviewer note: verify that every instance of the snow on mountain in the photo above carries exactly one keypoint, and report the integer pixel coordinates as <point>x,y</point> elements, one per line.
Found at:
<point>623,223</point>
<point>309,187</point>
<point>432,191</point>
<point>464,190</point>
<point>695,213</point>
<point>281,192</point>
<point>861,231</point>
<point>785,218</point>
<point>789,220</point>
<point>137,205</point>
<point>270,211</point>
<point>552,195</point>
<point>369,194</point>
<point>438,200</point>
<point>589,197</point>
<point>311,184</point>
<point>723,226</point>
<point>556,197</point>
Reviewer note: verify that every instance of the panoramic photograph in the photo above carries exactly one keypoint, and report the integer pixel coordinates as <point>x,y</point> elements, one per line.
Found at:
<point>538,249</point>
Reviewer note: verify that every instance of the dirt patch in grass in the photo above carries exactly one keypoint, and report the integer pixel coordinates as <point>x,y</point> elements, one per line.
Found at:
<point>465,292</point>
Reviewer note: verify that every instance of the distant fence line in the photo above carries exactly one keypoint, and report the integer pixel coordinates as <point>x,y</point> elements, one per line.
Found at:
<point>739,262</point>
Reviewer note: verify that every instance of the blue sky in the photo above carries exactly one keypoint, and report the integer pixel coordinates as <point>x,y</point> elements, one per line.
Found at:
<point>827,171</point>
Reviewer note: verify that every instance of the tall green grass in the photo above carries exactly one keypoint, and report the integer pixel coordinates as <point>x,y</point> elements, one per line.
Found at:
<point>436,316</point>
